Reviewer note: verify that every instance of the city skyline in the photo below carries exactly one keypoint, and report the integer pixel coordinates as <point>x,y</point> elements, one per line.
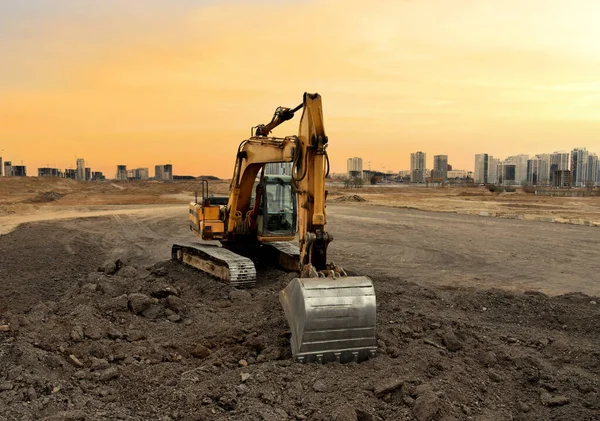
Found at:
<point>112,81</point>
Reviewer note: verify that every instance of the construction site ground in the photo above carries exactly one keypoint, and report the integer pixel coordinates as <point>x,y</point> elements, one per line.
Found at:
<point>477,318</point>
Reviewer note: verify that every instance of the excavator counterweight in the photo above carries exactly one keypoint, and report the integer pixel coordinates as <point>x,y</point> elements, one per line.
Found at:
<point>282,219</point>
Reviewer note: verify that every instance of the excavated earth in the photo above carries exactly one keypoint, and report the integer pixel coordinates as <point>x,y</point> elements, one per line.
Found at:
<point>87,336</point>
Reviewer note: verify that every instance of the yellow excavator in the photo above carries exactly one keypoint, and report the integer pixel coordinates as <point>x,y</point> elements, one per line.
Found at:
<point>331,315</point>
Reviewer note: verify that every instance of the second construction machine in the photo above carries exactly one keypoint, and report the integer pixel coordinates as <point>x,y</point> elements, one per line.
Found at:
<point>331,315</point>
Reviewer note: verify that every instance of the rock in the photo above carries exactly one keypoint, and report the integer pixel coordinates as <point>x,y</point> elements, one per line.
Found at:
<point>99,364</point>
<point>427,404</point>
<point>135,335</point>
<point>452,344</point>
<point>551,401</point>
<point>495,377</point>
<point>160,272</point>
<point>243,363</point>
<point>138,302</point>
<point>200,351</point>
<point>77,334</point>
<point>93,332</point>
<point>319,386</point>
<point>363,415</point>
<point>245,376</point>
<point>258,343</point>
<point>489,359</point>
<point>387,386</point>
<point>239,295</point>
<point>163,290</point>
<point>108,374</point>
<point>4,386</point>
<point>112,267</point>
<point>228,401</point>
<point>128,272</point>
<point>75,361</point>
<point>120,303</point>
<point>153,312</point>
<point>394,352</point>
<point>174,318</point>
<point>261,378</point>
<point>176,304</point>
<point>114,333</point>
<point>97,350</point>
<point>346,414</point>
<point>90,287</point>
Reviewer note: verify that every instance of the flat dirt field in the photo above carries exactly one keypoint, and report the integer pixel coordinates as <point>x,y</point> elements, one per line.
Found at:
<point>478,318</point>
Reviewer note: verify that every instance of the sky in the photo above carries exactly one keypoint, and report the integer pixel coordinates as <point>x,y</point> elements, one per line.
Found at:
<point>145,82</point>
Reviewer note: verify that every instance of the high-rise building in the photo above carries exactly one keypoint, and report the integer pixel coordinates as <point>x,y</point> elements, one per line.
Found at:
<point>168,172</point>
<point>80,172</point>
<point>70,173</point>
<point>534,171</point>
<point>440,167</point>
<point>481,168</point>
<point>1,167</point>
<point>592,177</point>
<point>121,172</point>
<point>579,166</point>
<point>544,174</point>
<point>562,178</point>
<point>159,172</point>
<point>520,163</point>
<point>98,176</point>
<point>492,174</point>
<point>559,161</point>
<point>8,169</point>
<point>19,171</point>
<point>354,167</point>
<point>49,172</point>
<point>417,167</point>
<point>141,174</point>
<point>88,174</point>
<point>509,174</point>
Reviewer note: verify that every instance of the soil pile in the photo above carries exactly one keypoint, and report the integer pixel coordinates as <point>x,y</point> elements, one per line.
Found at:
<point>45,197</point>
<point>352,198</point>
<point>167,342</point>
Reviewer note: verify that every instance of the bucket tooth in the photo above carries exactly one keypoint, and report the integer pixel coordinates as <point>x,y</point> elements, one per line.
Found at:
<point>331,319</point>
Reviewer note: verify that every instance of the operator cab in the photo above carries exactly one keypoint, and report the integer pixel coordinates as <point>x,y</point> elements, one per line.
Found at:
<point>277,212</point>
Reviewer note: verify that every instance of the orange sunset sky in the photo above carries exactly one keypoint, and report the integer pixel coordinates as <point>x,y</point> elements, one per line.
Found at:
<point>143,82</point>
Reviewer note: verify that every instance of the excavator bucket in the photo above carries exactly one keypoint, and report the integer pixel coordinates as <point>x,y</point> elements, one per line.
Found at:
<point>331,319</point>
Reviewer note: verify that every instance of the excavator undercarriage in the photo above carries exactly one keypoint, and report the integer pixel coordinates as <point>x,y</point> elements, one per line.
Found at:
<point>280,220</point>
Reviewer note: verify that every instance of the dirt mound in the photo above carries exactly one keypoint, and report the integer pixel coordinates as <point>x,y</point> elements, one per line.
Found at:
<point>168,342</point>
<point>351,198</point>
<point>45,197</point>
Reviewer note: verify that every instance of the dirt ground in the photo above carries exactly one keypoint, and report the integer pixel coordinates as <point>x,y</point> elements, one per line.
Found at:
<point>477,319</point>
<point>475,200</point>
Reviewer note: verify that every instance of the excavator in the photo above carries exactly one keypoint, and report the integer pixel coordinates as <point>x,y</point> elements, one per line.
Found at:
<point>282,219</point>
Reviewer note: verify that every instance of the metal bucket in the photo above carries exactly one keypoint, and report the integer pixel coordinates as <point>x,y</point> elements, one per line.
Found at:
<point>331,319</point>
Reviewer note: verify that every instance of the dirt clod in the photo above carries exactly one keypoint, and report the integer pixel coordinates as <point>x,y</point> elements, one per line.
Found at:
<point>452,344</point>
<point>200,351</point>
<point>427,404</point>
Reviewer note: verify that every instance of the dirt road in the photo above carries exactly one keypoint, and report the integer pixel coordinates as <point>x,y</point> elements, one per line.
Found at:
<point>156,340</point>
